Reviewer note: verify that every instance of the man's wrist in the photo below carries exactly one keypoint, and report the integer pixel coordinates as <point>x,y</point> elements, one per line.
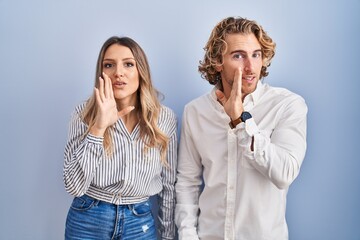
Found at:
<point>235,122</point>
<point>243,117</point>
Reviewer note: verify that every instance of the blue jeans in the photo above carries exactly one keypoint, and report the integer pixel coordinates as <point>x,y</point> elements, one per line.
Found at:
<point>89,218</point>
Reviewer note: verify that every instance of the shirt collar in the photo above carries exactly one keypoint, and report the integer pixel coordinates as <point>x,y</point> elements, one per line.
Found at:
<point>213,98</point>
<point>252,98</point>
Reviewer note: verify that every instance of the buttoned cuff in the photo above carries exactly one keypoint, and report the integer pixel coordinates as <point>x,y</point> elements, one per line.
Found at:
<point>188,234</point>
<point>186,218</point>
<point>249,131</point>
<point>94,139</point>
<point>250,127</point>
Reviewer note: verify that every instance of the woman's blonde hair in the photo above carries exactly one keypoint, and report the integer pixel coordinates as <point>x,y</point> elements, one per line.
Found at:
<point>216,46</point>
<point>149,105</point>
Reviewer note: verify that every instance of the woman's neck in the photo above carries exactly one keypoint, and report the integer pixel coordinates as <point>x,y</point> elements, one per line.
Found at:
<point>131,119</point>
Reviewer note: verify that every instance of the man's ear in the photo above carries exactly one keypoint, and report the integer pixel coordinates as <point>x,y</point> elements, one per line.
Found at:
<point>265,62</point>
<point>218,68</point>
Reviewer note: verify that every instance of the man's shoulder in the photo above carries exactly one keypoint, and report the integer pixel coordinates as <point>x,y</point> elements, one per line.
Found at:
<point>281,92</point>
<point>200,101</point>
<point>284,97</point>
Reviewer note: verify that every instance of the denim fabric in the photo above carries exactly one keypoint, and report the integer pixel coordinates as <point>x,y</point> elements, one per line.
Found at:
<point>89,218</point>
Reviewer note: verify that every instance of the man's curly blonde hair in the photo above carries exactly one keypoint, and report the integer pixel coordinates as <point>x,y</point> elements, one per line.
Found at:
<point>216,46</point>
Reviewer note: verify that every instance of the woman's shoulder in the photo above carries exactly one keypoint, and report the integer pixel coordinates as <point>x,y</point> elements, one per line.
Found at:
<point>167,119</point>
<point>166,112</point>
<point>79,108</point>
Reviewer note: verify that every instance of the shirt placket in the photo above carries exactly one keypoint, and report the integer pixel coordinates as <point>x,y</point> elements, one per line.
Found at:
<point>229,233</point>
<point>126,174</point>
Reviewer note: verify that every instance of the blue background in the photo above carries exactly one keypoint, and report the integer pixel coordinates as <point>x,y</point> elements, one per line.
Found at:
<point>48,51</point>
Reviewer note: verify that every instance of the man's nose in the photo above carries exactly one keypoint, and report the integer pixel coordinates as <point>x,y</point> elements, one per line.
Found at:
<point>248,65</point>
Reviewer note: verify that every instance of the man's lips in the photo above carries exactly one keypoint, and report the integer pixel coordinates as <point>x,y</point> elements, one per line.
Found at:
<point>249,79</point>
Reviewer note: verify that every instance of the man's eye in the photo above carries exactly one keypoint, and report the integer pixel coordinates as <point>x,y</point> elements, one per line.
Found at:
<point>257,55</point>
<point>238,56</point>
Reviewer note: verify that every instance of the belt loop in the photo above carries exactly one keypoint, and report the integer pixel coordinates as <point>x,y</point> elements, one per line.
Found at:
<point>130,207</point>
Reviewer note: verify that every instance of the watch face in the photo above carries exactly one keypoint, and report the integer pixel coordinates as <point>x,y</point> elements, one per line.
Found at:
<point>245,116</point>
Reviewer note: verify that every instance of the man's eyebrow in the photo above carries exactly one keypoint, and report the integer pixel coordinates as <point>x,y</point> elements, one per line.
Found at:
<point>125,59</point>
<point>242,51</point>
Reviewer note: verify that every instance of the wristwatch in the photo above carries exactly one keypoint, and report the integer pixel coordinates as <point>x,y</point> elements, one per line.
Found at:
<point>243,117</point>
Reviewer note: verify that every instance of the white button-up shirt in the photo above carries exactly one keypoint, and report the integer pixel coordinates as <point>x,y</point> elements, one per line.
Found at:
<point>244,192</point>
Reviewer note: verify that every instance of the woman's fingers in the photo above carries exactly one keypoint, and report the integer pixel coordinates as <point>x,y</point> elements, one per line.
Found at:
<point>97,96</point>
<point>106,85</point>
<point>111,92</point>
<point>108,91</point>
<point>101,89</point>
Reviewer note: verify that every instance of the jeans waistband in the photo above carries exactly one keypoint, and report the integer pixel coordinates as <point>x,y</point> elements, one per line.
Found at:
<point>114,198</point>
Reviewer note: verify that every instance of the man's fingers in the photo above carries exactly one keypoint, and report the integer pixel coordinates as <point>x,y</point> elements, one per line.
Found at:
<point>221,97</point>
<point>125,111</point>
<point>237,82</point>
<point>238,74</point>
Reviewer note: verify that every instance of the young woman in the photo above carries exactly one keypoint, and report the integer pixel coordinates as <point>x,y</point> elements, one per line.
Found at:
<point>121,149</point>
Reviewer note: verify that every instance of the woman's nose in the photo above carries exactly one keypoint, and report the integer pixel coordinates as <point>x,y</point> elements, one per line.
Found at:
<point>119,72</point>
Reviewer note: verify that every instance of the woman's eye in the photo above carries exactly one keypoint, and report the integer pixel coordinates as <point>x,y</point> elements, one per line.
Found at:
<point>107,65</point>
<point>129,64</point>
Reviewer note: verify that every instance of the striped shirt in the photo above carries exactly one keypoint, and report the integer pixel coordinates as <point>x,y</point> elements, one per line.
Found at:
<point>130,175</point>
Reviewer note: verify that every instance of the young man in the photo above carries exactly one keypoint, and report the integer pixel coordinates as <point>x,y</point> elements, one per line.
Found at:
<point>244,142</point>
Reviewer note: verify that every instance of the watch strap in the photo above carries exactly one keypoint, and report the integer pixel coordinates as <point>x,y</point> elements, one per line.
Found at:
<point>235,122</point>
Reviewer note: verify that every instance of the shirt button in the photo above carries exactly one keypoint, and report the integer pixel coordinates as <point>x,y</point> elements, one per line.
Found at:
<point>119,195</point>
